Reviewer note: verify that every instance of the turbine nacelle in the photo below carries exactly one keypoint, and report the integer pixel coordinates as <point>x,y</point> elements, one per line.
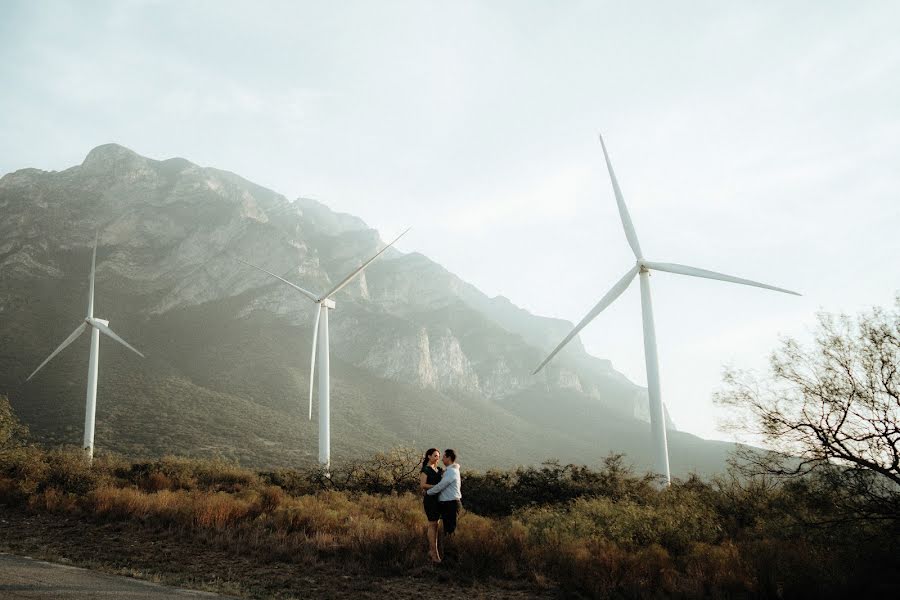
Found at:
<point>327,303</point>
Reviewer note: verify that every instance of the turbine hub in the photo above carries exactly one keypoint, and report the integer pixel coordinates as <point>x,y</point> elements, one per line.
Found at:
<point>642,268</point>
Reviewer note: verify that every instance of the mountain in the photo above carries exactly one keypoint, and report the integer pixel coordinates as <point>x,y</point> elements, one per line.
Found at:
<point>419,356</point>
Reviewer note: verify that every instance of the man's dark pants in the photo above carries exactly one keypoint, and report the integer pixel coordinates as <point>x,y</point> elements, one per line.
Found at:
<point>449,513</point>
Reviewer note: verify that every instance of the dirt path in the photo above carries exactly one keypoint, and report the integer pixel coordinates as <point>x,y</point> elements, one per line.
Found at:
<point>37,580</point>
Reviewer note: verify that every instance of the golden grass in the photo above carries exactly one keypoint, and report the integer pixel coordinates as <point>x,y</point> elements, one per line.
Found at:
<point>675,543</point>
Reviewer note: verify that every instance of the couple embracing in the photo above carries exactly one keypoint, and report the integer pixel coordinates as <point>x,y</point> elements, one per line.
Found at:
<point>441,488</point>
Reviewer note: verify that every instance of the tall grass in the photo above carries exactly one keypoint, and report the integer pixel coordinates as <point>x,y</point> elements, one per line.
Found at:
<point>595,532</point>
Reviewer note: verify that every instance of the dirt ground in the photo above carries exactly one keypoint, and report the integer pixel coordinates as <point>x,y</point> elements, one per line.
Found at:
<point>30,579</point>
<point>173,557</point>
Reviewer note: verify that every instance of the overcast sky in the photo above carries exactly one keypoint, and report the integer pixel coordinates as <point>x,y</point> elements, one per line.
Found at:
<point>757,138</point>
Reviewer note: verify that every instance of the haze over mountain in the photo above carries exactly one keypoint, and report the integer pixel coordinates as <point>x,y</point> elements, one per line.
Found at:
<point>419,356</point>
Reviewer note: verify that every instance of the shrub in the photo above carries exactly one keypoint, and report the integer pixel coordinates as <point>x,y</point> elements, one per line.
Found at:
<point>294,482</point>
<point>395,471</point>
<point>500,493</point>
<point>175,473</point>
<point>12,432</point>
<point>34,470</point>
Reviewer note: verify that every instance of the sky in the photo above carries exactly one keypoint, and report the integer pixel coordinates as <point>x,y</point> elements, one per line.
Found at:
<point>761,139</point>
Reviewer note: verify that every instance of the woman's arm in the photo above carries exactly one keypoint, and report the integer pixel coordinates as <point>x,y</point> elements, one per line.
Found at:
<point>422,479</point>
<point>449,476</point>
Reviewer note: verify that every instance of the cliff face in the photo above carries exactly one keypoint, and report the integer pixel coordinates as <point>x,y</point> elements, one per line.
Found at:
<point>169,233</point>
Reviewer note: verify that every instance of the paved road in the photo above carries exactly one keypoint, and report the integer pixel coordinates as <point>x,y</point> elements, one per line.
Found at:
<point>34,579</point>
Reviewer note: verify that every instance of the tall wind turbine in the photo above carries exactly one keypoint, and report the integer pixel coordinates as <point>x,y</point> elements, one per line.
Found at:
<point>320,334</point>
<point>642,269</point>
<point>97,326</point>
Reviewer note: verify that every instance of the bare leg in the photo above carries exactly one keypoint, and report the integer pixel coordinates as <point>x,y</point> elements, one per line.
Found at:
<point>433,541</point>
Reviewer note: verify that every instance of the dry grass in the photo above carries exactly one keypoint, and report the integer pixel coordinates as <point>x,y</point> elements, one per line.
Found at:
<point>618,538</point>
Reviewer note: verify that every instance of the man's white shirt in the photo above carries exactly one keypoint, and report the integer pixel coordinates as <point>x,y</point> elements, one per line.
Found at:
<point>449,488</point>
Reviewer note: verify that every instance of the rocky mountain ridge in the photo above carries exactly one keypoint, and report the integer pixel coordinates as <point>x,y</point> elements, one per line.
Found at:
<point>169,234</point>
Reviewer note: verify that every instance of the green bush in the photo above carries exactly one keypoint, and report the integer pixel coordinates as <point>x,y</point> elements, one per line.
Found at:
<point>12,432</point>
<point>34,471</point>
<point>671,525</point>
<point>501,493</point>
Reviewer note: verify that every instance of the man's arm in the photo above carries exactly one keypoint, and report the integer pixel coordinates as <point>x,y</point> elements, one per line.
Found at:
<point>449,475</point>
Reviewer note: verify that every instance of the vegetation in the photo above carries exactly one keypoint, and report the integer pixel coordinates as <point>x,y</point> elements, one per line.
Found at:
<point>12,432</point>
<point>815,517</point>
<point>830,415</point>
<point>597,533</point>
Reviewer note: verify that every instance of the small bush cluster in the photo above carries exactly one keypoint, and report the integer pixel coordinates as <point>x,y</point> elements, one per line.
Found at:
<point>500,493</point>
<point>12,432</point>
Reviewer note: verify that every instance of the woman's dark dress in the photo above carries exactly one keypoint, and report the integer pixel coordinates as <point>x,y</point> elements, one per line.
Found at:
<point>432,507</point>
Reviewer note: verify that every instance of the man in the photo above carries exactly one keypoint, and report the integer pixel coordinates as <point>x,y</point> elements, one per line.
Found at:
<point>448,492</point>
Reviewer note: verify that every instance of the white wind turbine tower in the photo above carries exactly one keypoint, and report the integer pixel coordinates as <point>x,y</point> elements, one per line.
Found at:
<point>642,269</point>
<point>97,326</point>
<point>320,333</point>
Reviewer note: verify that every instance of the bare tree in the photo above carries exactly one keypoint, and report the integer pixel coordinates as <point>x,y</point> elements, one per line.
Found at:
<point>396,470</point>
<point>831,410</point>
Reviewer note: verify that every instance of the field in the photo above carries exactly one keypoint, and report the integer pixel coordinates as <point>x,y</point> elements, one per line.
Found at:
<point>555,530</point>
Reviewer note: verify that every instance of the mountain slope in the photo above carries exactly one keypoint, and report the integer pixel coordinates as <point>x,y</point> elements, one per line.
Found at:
<point>419,356</point>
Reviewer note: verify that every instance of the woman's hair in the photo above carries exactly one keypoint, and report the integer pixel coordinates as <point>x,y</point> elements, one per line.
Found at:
<point>427,454</point>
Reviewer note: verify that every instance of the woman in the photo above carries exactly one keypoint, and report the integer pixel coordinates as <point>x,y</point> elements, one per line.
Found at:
<point>431,475</point>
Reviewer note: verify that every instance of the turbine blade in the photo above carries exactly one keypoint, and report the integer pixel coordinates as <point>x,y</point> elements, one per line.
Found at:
<point>110,333</point>
<point>312,359</point>
<point>623,210</point>
<point>90,311</point>
<point>306,293</point>
<point>605,301</point>
<point>359,269</point>
<point>78,331</point>
<point>695,272</point>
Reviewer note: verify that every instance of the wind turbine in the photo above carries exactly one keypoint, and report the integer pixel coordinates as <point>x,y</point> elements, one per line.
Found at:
<point>642,269</point>
<point>320,333</point>
<point>97,326</point>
